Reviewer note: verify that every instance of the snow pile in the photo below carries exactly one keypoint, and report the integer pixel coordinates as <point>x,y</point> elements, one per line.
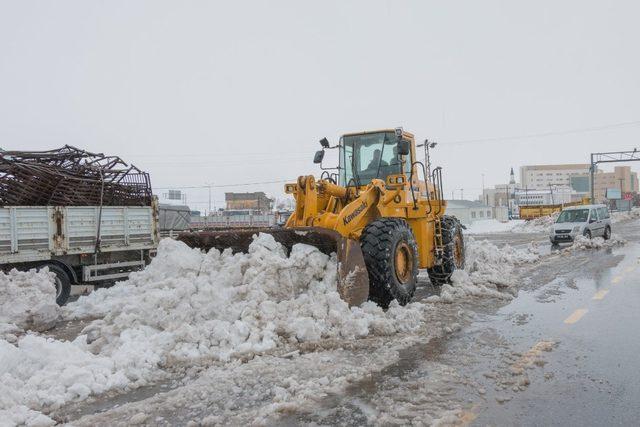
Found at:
<point>582,242</point>
<point>488,226</point>
<point>488,271</point>
<point>41,373</point>
<point>625,216</point>
<point>537,225</point>
<point>27,301</point>
<point>188,305</point>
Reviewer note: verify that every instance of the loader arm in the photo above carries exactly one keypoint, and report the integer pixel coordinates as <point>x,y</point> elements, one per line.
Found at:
<point>314,202</point>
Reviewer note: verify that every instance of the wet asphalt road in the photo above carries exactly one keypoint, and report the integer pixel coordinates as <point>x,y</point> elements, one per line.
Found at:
<point>588,306</point>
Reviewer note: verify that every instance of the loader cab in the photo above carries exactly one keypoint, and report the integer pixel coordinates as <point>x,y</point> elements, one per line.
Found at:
<point>370,155</point>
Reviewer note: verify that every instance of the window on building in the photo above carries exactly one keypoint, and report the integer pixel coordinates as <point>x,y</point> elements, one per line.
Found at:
<point>481,214</point>
<point>488,214</point>
<point>473,215</point>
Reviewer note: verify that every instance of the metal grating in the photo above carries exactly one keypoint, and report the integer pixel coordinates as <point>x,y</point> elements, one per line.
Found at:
<point>70,177</point>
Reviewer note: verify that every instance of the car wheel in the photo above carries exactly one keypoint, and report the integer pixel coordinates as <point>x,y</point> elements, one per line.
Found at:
<point>607,233</point>
<point>587,234</point>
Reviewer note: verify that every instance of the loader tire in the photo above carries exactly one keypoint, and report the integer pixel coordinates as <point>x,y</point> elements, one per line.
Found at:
<point>453,253</point>
<point>391,257</point>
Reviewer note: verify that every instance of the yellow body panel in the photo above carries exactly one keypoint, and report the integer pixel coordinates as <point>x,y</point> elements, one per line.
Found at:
<point>537,211</point>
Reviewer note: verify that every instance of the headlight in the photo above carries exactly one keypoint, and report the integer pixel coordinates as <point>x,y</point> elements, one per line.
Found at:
<point>576,229</point>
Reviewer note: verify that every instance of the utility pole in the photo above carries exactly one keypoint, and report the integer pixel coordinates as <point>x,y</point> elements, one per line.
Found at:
<point>209,185</point>
<point>551,191</point>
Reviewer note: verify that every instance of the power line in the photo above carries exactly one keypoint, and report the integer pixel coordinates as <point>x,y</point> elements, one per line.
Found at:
<point>544,134</point>
<point>223,185</point>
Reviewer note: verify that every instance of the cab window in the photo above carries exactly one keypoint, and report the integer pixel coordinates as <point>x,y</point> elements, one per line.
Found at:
<point>593,216</point>
<point>603,213</point>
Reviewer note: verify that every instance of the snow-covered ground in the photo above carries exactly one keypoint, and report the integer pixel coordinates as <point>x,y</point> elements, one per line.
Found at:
<point>188,307</point>
<point>625,216</point>
<point>489,226</point>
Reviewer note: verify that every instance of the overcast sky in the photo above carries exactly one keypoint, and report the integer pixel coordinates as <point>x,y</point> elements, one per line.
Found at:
<point>230,92</point>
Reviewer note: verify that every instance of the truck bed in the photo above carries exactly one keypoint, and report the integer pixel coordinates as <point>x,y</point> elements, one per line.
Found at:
<point>38,233</point>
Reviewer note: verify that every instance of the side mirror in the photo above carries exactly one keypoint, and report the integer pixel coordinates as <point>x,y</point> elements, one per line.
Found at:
<point>403,147</point>
<point>592,220</point>
<point>318,157</point>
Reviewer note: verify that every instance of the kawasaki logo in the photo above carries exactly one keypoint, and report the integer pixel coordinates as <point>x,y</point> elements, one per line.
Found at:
<point>347,219</point>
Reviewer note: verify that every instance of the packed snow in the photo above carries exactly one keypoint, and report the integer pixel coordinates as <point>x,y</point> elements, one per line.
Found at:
<point>27,301</point>
<point>582,242</point>
<point>537,225</point>
<point>633,214</point>
<point>488,271</point>
<point>491,226</point>
<point>488,226</point>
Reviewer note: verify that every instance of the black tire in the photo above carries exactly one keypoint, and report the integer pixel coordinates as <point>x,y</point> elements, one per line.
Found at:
<point>587,234</point>
<point>391,256</point>
<point>453,253</point>
<point>607,233</point>
<point>63,283</point>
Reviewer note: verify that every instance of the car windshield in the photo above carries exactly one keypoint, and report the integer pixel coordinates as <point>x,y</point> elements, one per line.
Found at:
<point>368,156</point>
<point>573,215</point>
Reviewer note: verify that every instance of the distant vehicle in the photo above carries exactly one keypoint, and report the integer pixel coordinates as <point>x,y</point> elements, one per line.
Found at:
<point>585,220</point>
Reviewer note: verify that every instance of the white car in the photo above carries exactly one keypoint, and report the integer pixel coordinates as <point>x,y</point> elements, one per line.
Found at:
<point>584,220</point>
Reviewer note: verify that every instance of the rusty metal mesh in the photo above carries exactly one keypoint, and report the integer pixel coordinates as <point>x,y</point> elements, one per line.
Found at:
<point>70,177</point>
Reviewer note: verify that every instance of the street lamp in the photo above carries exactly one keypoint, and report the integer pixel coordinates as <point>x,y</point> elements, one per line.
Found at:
<point>428,145</point>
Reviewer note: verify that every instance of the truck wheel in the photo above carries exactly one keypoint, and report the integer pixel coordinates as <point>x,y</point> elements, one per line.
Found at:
<point>607,233</point>
<point>391,256</point>
<point>453,252</point>
<point>587,234</point>
<point>62,282</point>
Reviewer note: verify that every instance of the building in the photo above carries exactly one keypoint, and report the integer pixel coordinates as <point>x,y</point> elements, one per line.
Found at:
<point>254,201</point>
<point>622,178</point>
<point>501,195</point>
<point>541,177</point>
<point>468,211</point>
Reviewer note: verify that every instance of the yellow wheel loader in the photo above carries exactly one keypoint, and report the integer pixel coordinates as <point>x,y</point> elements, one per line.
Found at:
<point>380,210</point>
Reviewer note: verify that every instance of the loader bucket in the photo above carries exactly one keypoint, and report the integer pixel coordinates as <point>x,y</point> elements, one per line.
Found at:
<point>353,279</point>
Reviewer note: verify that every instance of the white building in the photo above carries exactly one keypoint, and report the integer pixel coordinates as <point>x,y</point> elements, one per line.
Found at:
<point>468,211</point>
<point>501,194</point>
<point>541,177</point>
